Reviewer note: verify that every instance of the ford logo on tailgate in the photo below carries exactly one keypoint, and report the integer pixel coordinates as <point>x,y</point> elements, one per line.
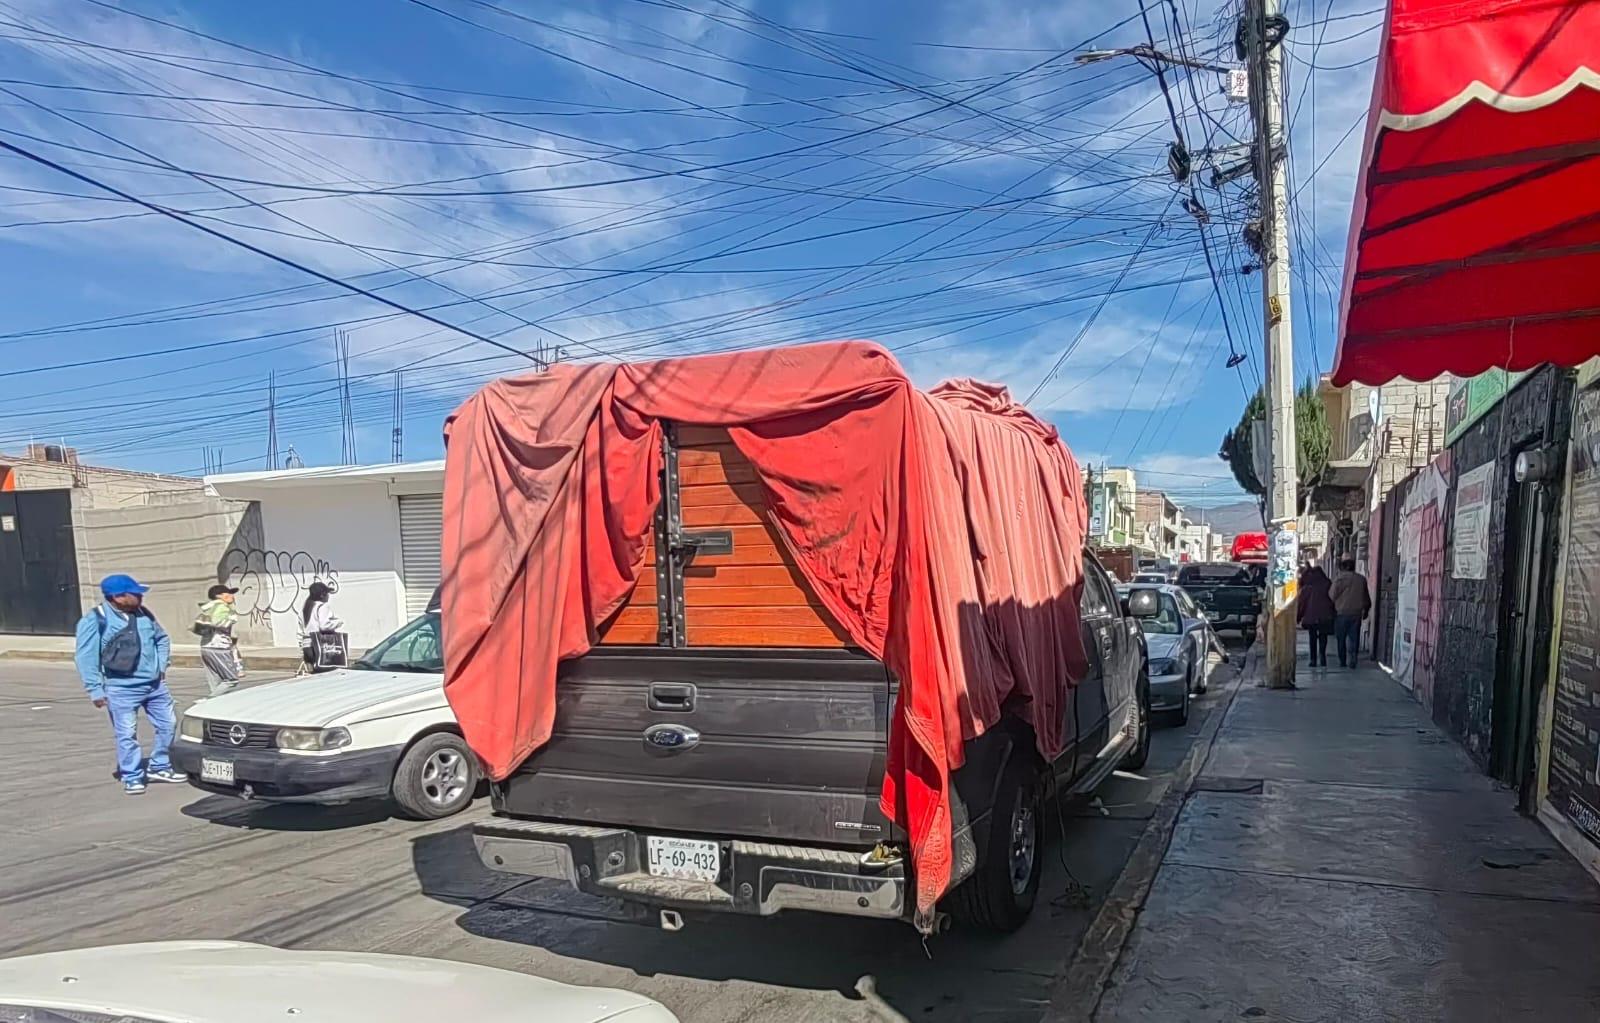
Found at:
<point>670,738</point>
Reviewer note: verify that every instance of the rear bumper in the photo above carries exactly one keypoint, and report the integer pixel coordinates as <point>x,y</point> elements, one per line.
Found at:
<point>1167,691</point>
<point>290,778</point>
<point>1240,621</point>
<point>756,878</point>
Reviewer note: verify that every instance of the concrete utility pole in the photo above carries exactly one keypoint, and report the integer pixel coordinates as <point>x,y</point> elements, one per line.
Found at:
<point>1265,29</point>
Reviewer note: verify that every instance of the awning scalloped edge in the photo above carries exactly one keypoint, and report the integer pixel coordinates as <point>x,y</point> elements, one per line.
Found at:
<point>1581,76</point>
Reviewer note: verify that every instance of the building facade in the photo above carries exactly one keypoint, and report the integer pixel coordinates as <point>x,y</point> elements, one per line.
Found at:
<point>371,533</point>
<point>64,526</point>
<point>1157,522</point>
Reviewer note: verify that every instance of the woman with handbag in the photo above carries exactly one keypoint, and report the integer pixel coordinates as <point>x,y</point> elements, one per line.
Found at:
<point>322,642</point>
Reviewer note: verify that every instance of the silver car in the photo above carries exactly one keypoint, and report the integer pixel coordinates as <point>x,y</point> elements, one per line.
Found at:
<point>1179,640</point>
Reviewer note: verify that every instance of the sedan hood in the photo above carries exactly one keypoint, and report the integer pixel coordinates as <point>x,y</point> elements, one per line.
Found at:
<point>236,982</point>
<point>317,701</point>
<point>1162,646</point>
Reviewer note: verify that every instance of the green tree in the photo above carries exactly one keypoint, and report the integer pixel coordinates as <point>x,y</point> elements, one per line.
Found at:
<point>1313,441</point>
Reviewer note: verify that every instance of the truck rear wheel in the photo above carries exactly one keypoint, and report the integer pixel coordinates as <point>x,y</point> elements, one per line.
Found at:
<point>436,777</point>
<point>1001,892</point>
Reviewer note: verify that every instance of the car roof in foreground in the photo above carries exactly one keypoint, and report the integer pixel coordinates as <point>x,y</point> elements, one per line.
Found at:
<point>239,982</point>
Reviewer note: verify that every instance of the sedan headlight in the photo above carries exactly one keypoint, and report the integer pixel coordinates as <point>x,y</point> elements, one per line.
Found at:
<point>192,728</point>
<point>313,738</point>
<point>1164,666</point>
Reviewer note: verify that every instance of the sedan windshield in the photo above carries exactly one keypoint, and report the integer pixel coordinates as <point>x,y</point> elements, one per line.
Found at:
<point>415,647</point>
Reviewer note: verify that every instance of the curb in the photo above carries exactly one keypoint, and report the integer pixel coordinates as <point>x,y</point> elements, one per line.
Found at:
<point>1075,998</point>
<point>180,659</point>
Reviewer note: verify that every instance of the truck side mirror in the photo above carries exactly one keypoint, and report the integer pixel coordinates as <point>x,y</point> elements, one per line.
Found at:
<point>1144,604</point>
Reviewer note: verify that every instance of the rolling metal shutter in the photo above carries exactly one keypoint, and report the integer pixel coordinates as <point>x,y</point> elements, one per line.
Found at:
<point>421,525</point>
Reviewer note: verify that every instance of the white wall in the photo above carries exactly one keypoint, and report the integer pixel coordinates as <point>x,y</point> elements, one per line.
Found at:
<point>346,535</point>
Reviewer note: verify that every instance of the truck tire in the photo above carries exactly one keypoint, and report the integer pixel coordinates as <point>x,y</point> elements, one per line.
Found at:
<point>1141,715</point>
<point>436,777</point>
<point>1002,890</point>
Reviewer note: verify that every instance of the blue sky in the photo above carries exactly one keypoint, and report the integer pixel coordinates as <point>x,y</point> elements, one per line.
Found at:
<point>637,179</point>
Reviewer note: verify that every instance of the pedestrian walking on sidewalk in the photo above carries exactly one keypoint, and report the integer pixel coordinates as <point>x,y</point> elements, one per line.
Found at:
<point>1315,611</point>
<point>1351,602</point>
<point>219,647</point>
<point>322,641</point>
<point>122,655</point>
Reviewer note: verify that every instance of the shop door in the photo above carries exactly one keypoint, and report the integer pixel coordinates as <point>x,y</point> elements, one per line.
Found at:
<point>38,563</point>
<point>1521,620</point>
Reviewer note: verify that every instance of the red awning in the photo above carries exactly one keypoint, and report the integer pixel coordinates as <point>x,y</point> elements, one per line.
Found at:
<point>1475,237</point>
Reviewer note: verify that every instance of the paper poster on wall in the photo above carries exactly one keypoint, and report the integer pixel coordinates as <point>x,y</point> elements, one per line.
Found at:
<point>1409,546</point>
<point>1474,501</point>
<point>1575,737</point>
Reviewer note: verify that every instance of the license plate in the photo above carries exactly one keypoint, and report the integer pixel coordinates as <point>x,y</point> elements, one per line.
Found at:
<point>216,770</point>
<point>688,858</point>
<point>1214,615</point>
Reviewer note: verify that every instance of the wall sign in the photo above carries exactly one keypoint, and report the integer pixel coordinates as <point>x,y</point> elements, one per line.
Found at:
<point>1474,505</point>
<point>1575,738</point>
<point>1471,397</point>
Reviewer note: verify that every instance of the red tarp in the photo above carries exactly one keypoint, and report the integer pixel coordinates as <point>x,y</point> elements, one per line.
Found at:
<point>1249,547</point>
<point>942,530</point>
<point>1475,236</point>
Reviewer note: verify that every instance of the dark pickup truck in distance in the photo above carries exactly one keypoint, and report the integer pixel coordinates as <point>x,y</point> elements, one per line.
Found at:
<point>1229,592</point>
<point>729,757</point>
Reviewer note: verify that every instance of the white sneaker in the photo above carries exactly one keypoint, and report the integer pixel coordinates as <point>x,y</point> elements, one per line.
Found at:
<point>170,776</point>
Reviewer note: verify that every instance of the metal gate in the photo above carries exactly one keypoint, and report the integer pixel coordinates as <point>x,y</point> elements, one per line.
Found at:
<point>38,563</point>
<point>421,526</point>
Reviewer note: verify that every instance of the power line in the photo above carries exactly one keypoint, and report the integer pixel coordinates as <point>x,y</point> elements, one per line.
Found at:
<point>286,261</point>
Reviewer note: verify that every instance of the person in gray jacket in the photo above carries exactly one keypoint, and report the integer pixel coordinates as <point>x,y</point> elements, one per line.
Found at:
<point>1351,601</point>
<point>122,656</point>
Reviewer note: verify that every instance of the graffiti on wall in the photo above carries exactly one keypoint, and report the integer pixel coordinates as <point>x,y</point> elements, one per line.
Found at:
<point>1420,606</point>
<point>274,582</point>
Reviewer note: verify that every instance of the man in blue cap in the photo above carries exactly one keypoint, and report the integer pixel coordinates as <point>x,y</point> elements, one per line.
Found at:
<point>122,657</point>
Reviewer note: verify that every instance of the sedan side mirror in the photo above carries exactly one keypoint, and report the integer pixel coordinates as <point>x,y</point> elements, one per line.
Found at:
<point>1144,604</point>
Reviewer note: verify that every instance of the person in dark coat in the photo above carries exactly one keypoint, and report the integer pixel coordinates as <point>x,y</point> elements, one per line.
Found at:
<point>1314,610</point>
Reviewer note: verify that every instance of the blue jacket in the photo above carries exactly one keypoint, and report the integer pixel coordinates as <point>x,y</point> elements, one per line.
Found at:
<point>155,649</point>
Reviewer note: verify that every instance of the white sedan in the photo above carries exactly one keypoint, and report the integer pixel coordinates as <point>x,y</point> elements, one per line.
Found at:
<point>381,727</point>
<point>237,982</point>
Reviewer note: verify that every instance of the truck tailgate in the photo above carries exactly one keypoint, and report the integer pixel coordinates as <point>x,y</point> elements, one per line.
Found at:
<point>775,744</point>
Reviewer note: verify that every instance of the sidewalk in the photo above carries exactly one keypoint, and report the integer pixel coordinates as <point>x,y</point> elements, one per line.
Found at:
<point>1338,858</point>
<point>185,652</point>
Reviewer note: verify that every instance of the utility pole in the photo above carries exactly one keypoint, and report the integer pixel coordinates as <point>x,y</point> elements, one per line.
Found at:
<point>1265,28</point>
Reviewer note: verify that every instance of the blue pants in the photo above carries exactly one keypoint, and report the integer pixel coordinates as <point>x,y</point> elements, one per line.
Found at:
<point>123,703</point>
<point>1347,639</point>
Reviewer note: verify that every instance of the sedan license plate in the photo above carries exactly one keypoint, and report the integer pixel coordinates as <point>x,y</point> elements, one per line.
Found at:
<point>1214,615</point>
<point>688,858</point>
<point>216,770</point>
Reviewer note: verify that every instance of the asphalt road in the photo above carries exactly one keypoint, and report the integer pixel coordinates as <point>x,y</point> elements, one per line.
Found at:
<point>82,864</point>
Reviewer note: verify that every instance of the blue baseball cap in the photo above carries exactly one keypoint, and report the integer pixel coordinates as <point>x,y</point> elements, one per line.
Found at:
<point>116,585</point>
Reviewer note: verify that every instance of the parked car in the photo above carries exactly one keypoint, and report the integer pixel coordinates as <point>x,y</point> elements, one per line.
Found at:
<point>1228,592</point>
<point>762,794</point>
<point>380,727</point>
<point>1150,578</point>
<point>239,982</point>
<point>1179,642</point>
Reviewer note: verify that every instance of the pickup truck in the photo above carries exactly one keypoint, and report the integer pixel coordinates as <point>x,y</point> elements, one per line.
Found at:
<point>739,771</point>
<point>1229,592</point>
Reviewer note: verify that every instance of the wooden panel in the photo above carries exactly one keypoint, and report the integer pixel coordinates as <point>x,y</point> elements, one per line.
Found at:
<point>752,597</point>
<point>706,635</point>
<point>713,495</point>
<point>702,436</point>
